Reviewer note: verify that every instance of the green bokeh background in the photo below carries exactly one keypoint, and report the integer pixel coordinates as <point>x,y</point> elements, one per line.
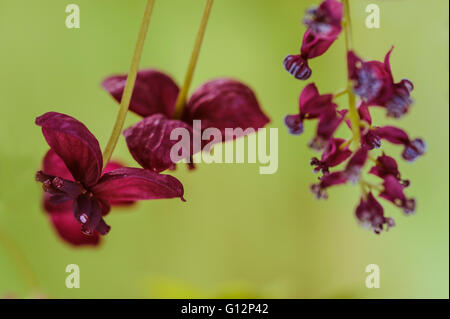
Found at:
<point>240,233</point>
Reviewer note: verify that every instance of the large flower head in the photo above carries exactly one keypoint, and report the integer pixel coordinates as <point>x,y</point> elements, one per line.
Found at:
<point>77,193</point>
<point>220,103</point>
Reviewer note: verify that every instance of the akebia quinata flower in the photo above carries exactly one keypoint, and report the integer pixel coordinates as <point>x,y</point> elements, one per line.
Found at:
<point>324,27</point>
<point>351,159</point>
<point>78,194</point>
<point>220,103</point>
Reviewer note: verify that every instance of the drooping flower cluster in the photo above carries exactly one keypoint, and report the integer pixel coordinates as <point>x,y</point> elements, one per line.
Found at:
<point>219,103</point>
<point>324,27</point>
<point>373,83</point>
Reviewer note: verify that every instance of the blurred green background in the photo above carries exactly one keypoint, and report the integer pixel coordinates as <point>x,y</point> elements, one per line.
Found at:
<point>239,233</point>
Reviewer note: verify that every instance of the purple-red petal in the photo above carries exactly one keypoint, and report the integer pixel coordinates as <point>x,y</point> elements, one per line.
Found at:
<point>297,66</point>
<point>74,144</point>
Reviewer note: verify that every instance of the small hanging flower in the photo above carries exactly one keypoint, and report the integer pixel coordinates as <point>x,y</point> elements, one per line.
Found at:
<point>373,83</point>
<point>77,195</point>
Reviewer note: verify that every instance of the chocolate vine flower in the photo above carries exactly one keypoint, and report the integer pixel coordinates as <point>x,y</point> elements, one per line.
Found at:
<point>220,103</point>
<point>312,105</point>
<point>324,27</point>
<point>370,213</point>
<point>77,193</point>
<point>373,83</point>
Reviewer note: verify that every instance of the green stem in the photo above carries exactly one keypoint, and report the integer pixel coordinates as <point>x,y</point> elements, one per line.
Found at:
<point>131,79</point>
<point>181,100</point>
<point>353,112</point>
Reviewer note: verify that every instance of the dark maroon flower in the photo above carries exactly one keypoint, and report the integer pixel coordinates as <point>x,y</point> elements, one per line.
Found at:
<point>324,26</point>
<point>374,83</point>
<point>393,192</point>
<point>77,194</point>
<point>220,103</point>
<point>412,148</point>
<point>333,155</point>
<point>371,214</point>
